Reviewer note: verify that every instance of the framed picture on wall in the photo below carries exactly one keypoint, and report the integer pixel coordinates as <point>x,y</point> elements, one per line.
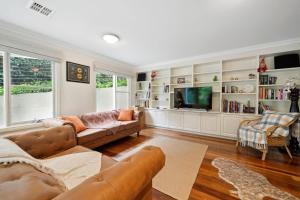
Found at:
<point>78,73</point>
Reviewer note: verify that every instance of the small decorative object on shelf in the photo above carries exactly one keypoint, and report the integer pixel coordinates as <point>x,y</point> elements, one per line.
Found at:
<point>248,108</point>
<point>234,89</point>
<point>234,78</point>
<point>252,76</point>
<point>262,65</point>
<point>166,88</point>
<point>153,75</point>
<point>180,80</point>
<point>156,98</point>
<point>215,78</point>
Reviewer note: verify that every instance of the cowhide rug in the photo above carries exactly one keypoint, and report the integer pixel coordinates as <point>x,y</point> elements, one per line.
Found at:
<point>249,184</point>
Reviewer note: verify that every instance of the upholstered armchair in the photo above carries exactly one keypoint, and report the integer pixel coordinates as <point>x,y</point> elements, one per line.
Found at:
<point>272,129</point>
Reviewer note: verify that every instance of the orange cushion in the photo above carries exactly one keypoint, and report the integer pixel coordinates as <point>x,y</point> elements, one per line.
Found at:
<point>125,115</point>
<point>79,126</point>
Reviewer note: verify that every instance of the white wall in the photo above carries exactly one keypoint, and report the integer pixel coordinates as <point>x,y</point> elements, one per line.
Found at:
<point>75,98</point>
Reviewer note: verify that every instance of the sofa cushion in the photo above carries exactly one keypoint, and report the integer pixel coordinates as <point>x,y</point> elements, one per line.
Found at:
<point>79,126</point>
<point>46,142</point>
<point>125,115</point>
<point>95,120</point>
<point>90,134</point>
<point>24,182</point>
<point>129,124</point>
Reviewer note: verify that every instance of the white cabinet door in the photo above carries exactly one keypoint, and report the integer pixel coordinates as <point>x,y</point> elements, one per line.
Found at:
<point>210,123</point>
<point>161,118</point>
<point>230,125</point>
<point>191,121</point>
<point>149,117</point>
<point>175,119</point>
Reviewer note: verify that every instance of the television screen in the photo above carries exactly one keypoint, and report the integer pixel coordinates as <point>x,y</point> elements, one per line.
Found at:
<point>193,97</point>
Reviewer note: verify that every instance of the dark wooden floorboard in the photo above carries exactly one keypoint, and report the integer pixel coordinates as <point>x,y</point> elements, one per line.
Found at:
<point>281,171</point>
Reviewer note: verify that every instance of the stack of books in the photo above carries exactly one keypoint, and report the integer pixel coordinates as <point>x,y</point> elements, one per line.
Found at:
<point>271,93</point>
<point>232,106</point>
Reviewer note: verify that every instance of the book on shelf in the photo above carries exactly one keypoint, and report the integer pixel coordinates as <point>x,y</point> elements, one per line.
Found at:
<point>272,94</point>
<point>232,106</point>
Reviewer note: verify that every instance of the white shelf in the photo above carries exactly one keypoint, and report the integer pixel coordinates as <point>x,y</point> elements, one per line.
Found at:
<point>161,77</point>
<point>271,85</point>
<point>141,90</point>
<point>236,70</point>
<point>203,73</point>
<point>281,70</point>
<point>274,100</point>
<point>180,84</point>
<point>174,76</point>
<point>208,82</point>
<point>240,80</point>
<point>238,93</point>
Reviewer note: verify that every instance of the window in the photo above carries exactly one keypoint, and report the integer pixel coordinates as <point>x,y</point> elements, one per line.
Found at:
<point>30,88</point>
<point>122,92</point>
<point>112,91</point>
<point>104,92</point>
<point>1,91</point>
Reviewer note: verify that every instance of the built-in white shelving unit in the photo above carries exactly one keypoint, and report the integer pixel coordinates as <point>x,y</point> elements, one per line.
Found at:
<point>229,78</point>
<point>233,80</point>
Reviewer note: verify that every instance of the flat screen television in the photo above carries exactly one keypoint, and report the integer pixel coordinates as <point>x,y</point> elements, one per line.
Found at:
<point>193,97</point>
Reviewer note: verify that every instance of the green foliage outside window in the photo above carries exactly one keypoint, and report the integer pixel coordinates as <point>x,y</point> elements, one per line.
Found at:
<point>25,79</point>
<point>106,81</point>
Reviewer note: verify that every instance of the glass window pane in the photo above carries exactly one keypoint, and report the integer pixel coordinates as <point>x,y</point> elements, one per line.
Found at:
<point>122,92</point>
<point>1,91</point>
<point>104,92</point>
<point>31,89</point>
<point>122,84</point>
<point>122,100</point>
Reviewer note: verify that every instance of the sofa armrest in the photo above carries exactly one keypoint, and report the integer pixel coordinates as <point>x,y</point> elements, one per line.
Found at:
<point>46,142</point>
<point>137,115</point>
<point>123,181</point>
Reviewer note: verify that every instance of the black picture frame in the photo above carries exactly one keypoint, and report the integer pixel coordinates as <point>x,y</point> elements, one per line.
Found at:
<point>77,73</point>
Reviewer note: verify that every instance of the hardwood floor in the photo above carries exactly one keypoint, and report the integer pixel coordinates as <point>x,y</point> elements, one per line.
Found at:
<point>278,168</point>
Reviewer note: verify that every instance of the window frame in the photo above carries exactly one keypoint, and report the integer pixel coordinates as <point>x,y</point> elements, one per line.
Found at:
<point>7,51</point>
<point>115,90</point>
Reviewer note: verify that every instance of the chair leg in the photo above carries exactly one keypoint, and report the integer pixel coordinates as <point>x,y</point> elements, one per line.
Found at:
<point>288,151</point>
<point>138,133</point>
<point>264,154</point>
<point>237,144</point>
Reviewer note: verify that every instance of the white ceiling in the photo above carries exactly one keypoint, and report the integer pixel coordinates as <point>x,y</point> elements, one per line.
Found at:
<point>154,31</point>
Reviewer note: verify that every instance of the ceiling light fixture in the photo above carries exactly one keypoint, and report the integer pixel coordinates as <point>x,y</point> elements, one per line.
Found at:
<point>111,38</point>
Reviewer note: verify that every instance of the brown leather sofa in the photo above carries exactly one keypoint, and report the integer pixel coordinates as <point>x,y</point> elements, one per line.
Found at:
<point>130,179</point>
<point>97,135</point>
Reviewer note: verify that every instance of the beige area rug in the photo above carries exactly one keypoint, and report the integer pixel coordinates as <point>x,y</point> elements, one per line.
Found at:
<point>250,185</point>
<point>183,160</point>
